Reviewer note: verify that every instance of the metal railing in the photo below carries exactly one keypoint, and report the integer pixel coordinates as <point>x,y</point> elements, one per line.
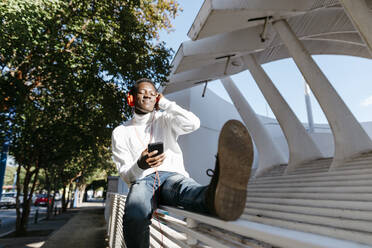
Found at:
<point>114,212</point>
<point>178,228</point>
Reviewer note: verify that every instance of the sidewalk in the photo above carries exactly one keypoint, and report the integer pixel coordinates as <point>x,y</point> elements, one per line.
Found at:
<point>80,227</point>
<point>85,230</point>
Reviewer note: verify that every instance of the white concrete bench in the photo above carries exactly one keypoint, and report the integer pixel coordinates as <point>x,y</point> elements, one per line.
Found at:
<point>310,207</point>
<point>336,203</point>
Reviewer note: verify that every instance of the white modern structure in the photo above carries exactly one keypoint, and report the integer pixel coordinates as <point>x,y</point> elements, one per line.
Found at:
<point>317,192</point>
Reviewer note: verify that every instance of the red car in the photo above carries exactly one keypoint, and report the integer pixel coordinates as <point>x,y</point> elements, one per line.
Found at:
<point>42,200</point>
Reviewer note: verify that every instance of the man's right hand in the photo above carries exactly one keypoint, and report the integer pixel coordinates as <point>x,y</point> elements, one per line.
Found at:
<point>150,160</point>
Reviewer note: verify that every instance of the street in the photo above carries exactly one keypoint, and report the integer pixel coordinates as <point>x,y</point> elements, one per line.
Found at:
<point>8,217</point>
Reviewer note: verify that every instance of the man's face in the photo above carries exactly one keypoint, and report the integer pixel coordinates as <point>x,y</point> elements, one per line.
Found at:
<point>145,98</point>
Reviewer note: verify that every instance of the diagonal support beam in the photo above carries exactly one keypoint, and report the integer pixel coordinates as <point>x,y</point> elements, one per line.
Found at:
<point>349,137</point>
<point>268,153</point>
<point>361,16</point>
<point>300,145</point>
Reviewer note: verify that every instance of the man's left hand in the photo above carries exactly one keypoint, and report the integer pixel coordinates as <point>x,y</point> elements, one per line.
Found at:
<point>160,95</point>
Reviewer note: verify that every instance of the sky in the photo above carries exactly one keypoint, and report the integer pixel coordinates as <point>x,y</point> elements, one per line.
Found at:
<point>350,76</point>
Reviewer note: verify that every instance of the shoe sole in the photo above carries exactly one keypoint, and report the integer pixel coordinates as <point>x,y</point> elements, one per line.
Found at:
<point>235,156</point>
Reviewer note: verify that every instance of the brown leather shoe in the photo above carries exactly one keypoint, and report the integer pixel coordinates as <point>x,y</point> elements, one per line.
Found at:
<point>227,191</point>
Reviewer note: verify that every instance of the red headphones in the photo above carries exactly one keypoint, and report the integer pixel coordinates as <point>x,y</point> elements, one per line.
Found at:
<point>130,99</point>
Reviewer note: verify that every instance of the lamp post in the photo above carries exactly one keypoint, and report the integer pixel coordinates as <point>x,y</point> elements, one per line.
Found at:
<point>4,150</point>
<point>308,109</point>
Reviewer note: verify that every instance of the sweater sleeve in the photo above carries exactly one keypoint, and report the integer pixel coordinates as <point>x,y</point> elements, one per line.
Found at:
<point>127,167</point>
<point>181,120</point>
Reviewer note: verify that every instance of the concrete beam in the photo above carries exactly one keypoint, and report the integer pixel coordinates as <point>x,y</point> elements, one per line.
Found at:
<point>360,15</point>
<point>300,145</point>
<point>268,153</point>
<point>350,138</point>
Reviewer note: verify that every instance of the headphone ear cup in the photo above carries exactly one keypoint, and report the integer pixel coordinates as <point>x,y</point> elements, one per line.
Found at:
<point>130,100</point>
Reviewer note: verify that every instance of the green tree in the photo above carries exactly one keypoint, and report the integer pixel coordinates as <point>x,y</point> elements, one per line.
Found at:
<point>65,67</point>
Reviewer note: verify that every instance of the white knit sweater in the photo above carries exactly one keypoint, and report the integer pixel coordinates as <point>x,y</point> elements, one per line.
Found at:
<point>131,139</point>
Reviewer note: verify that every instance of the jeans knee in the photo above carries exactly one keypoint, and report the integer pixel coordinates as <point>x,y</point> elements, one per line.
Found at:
<point>135,217</point>
<point>137,214</point>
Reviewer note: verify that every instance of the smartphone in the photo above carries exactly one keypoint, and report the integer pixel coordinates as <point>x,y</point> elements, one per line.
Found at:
<point>156,146</point>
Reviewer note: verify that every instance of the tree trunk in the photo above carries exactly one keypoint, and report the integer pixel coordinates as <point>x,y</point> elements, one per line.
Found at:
<point>69,195</point>
<point>19,230</point>
<point>79,191</point>
<point>47,180</point>
<point>21,223</point>
<point>53,201</point>
<point>22,217</point>
<point>73,196</point>
<point>63,203</point>
<point>85,196</point>
<point>82,193</point>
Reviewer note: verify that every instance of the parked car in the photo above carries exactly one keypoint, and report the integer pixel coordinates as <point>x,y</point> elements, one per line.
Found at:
<point>10,194</point>
<point>7,201</point>
<point>42,200</point>
<point>11,199</point>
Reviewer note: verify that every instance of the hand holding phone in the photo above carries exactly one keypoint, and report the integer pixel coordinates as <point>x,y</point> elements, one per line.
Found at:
<point>149,158</point>
<point>156,146</point>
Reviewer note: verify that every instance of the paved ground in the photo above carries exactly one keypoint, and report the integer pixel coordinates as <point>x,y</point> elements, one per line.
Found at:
<point>86,229</point>
<point>81,227</point>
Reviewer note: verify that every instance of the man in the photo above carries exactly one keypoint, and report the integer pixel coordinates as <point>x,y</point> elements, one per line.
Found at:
<point>161,178</point>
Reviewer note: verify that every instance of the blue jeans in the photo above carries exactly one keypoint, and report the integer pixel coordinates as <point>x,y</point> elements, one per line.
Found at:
<point>174,190</point>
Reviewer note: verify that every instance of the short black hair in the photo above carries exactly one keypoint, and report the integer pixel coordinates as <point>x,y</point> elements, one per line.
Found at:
<point>134,88</point>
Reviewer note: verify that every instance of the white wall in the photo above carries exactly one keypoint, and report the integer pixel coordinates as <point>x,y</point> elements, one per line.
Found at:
<point>200,147</point>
